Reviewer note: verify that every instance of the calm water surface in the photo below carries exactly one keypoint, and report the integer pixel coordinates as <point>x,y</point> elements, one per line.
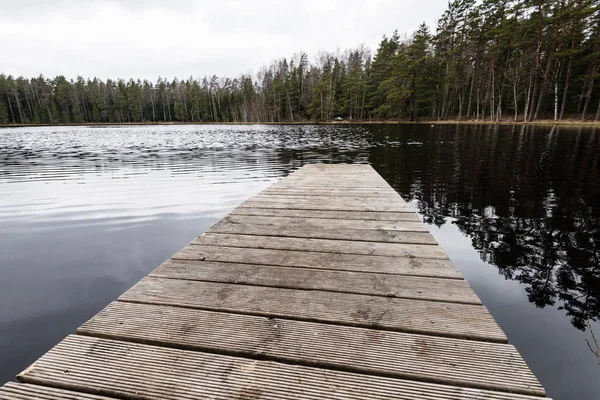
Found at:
<point>87,212</point>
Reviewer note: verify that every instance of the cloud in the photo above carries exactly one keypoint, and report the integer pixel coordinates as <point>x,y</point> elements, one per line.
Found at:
<point>148,38</point>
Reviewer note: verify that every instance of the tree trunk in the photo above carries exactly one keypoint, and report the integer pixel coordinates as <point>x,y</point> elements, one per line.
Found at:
<point>543,88</point>
<point>556,100</point>
<point>492,91</point>
<point>470,96</point>
<point>563,106</point>
<point>588,97</point>
<point>290,107</point>
<point>528,98</point>
<point>515,96</point>
<point>18,105</point>
<point>442,113</point>
<point>538,52</point>
<point>10,108</point>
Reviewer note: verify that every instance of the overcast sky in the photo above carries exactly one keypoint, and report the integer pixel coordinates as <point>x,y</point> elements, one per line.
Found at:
<point>148,38</point>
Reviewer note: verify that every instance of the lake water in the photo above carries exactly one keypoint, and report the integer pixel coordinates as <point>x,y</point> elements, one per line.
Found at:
<point>86,212</point>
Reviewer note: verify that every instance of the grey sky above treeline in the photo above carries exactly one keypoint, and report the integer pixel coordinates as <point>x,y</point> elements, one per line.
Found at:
<point>168,38</point>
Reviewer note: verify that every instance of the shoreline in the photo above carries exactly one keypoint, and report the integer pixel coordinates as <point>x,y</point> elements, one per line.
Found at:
<point>541,122</point>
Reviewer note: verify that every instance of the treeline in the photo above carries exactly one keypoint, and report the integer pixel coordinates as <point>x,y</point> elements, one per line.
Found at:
<point>490,60</point>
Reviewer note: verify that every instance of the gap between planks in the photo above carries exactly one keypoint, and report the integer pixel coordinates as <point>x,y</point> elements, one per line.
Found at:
<point>409,356</point>
<point>406,287</point>
<point>326,261</point>
<point>385,313</point>
<point>322,245</point>
<point>104,366</point>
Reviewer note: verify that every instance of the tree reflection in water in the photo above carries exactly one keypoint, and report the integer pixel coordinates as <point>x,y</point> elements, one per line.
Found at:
<point>527,197</point>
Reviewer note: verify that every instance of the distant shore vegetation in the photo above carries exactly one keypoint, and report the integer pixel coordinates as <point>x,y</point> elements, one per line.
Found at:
<point>493,61</point>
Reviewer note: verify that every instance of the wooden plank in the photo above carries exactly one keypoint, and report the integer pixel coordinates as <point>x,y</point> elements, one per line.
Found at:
<point>321,169</point>
<point>315,205</point>
<point>425,358</point>
<point>133,370</point>
<point>329,214</point>
<point>299,231</point>
<point>322,245</point>
<point>415,316</point>
<point>326,224</point>
<point>342,184</point>
<point>322,193</point>
<point>357,174</point>
<point>354,201</point>
<point>333,201</point>
<point>344,167</point>
<point>21,391</point>
<point>400,286</point>
<point>331,195</point>
<point>326,261</point>
<point>294,191</point>
<point>285,186</point>
<point>338,181</point>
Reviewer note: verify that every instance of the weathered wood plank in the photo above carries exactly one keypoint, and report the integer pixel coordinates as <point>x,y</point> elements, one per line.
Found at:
<point>424,358</point>
<point>330,193</point>
<point>322,167</point>
<point>373,179</point>
<point>416,316</point>
<point>329,214</point>
<point>315,205</point>
<point>407,287</point>
<point>375,200</point>
<point>299,231</point>
<point>326,224</point>
<point>285,186</point>
<point>348,201</point>
<point>326,261</point>
<point>133,370</point>
<point>322,245</point>
<point>22,391</point>
<point>338,184</point>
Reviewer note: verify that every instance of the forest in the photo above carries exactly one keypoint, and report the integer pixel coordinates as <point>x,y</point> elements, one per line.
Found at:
<point>493,60</point>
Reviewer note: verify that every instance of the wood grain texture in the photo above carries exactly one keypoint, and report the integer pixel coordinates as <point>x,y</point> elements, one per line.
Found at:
<point>416,316</point>
<point>21,391</point>
<point>305,204</point>
<point>329,214</point>
<point>407,287</point>
<point>294,223</point>
<point>367,194</point>
<point>310,187</point>
<point>139,371</point>
<point>351,201</point>
<point>327,224</point>
<point>337,183</point>
<point>306,231</point>
<point>449,361</point>
<point>322,245</point>
<point>360,200</point>
<point>327,261</point>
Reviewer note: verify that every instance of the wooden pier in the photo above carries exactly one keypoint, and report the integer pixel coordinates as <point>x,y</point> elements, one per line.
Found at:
<point>324,286</point>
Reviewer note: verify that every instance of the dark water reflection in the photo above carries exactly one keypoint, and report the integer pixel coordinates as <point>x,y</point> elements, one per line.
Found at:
<point>86,212</point>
